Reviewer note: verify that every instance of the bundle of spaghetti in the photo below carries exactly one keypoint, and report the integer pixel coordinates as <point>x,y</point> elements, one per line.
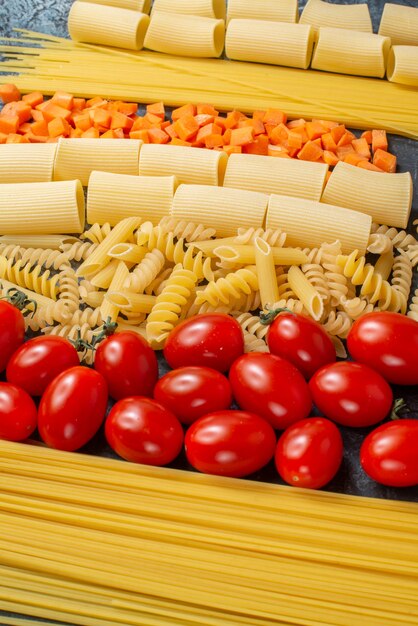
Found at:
<point>143,545</point>
<point>86,70</point>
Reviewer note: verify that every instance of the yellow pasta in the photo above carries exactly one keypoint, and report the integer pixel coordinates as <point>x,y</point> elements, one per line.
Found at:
<point>144,274</point>
<point>347,16</point>
<point>31,277</point>
<point>267,174</point>
<point>413,307</point>
<point>220,207</point>
<point>108,309</point>
<point>185,35</point>
<point>224,290</point>
<point>306,292</point>
<point>200,167</point>
<point>242,254</point>
<point>384,265</point>
<point>276,43</point>
<point>52,242</point>
<point>309,223</point>
<point>205,8</point>
<point>78,159</point>
<point>131,302</point>
<point>275,10</point>
<point>103,278</point>
<point>400,23</point>
<point>149,197</point>
<point>267,280</point>
<point>41,208</point>
<point>107,25</point>
<point>351,52</point>
<point>27,163</point>
<point>386,197</point>
<point>143,6</point>
<point>403,65</point>
<point>128,252</point>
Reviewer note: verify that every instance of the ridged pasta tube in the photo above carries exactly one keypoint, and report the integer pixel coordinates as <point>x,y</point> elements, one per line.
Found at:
<point>402,66</point>
<point>315,274</point>
<point>306,292</point>
<point>352,16</point>
<point>400,23</point>
<point>243,281</point>
<point>205,8</point>
<point>143,6</point>
<point>27,163</point>
<point>31,277</point>
<point>276,10</point>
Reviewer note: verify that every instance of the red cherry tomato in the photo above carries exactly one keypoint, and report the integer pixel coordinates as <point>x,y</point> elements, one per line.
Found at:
<point>12,332</point>
<point>387,342</point>
<point>191,392</point>
<point>18,414</point>
<point>351,394</point>
<point>272,387</point>
<point>128,364</point>
<point>213,340</point>
<point>230,443</point>
<point>389,453</point>
<point>72,408</point>
<point>301,341</point>
<point>38,361</point>
<point>309,453</point>
<point>142,431</point>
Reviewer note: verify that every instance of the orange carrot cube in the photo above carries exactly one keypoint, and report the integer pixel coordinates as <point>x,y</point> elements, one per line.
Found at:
<point>33,99</point>
<point>328,142</point>
<point>346,139</point>
<point>361,147</point>
<point>310,152</point>
<point>207,109</point>
<point>58,127</point>
<point>179,142</point>
<point>119,120</point>
<point>63,99</point>
<point>128,108</point>
<point>75,133</point>
<point>51,110</point>
<point>215,140</point>
<point>366,165</point>
<point>314,130</point>
<point>384,160</point>
<point>294,140</point>
<point>186,127</point>
<point>157,108</point>
<point>367,135</point>
<point>274,116</point>
<point>37,116</point>
<point>242,136</point>
<point>101,117</point>
<point>279,134</point>
<point>202,119</point>
<point>277,151</point>
<point>137,134</point>
<point>3,138</point>
<point>337,132</point>
<point>258,146</point>
<point>187,109</point>
<point>91,133</point>
<point>353,158</point>
<point>9,124</point>
<point>379,140</point>
<point>330,158</point>
<point>9,93</point>
<point>79,103</point>
<point>342,151</point>
<point>156,135</point>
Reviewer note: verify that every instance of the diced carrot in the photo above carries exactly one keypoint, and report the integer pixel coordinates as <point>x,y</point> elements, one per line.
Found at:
<point>157,108</point>
<point>259,115</point>
<point>232,119</point>
<point>79,104</point>
<point>328,142</point>
<point>38,138</point>
<point>259,146</point>
<point>51,110</point>
<point>379,140</point>
<point>366,165</point>
<point>128,108</point>
<point>25,128</point>
<point>170,131</point>
<point>346,139</point>
<point>337,132</point>
<point>3,138</point>
<point>275,116</point>
<point>9,93</point>
<point>119,134</point>
<point>227,136</point>
<point>214,140</point>
<point>82,121</point>
<point>279,134</point>
<point>242,136</point>
<point>9,108</point>
<point>342,151</point>
<point>367,135</point>
<point>156,135</point>
<point>23,112</point>
<point>95,102</point>
<point>76,133</point>
<point>353,158</point>
<point>186,127</point>
<point>207,109</point>
<point>33,99</point>
<point>63,99</point>
<point>119,120</point>
<point>361,147</point>
<point>202,119</point>
<point>318,141</point>
<point>258,126</point>
<point>37,116</point>
<point>187,109</point>
<point>101,117</point>
<point>52,140</point>
<point>15,138</point>
<point>140,123</point>
<point>327,123</point>
<point>232,149</point>
<point>384,160</point>
<point>310,152</point>
<point>58,127</point>
<point>244,123</point>
<point>92,133</point>
<point>138,134</point>
<point>294,140</point>
<point>330,158</point>
<point>9,124</point>
<point>293,152</point>
<point>205,131</point>
<point>295,123</point>
<point>154,120</point>
<point>315,130</point>
<point>277,151</point>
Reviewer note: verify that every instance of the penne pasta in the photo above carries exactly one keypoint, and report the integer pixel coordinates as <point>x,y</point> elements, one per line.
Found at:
<point>246,255</point>
<point>276,43</point>
<point>351,52</point>
<point>41,208</point>
<point>402,65</point>
<point>310,224</point>
<point>351,16</point>
<point>128,252</point>
<point>149,197</point>
<point>220,207</point>
<point>194,167</point>
<point>185,35</point>
<point>109,310</point>
<point>306,292</point>
<point>205,8</point>
<point>387,198</point>
<point>78,159</point>
<point>27,163</point>
<point>208,247</point>
<point>400,23</point>
<point>266,271</point>
<point>143,6</point>
<point>107,25</point>
<point>274,10</point>
<point>103,278</point>
<point>289,177</point>
<point>131,302</point>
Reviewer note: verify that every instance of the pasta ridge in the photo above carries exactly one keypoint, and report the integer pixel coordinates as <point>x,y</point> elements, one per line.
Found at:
<point>276,238</point>
<point>31,277</point>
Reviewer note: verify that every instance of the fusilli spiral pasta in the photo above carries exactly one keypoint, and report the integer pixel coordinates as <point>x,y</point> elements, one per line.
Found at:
<point>253,343</point>
<point>30,277</point>
<point>275,238</point>
<point>97,233</point>
<point>338,323</point>
<point>189,231</point>
<point>74,332</point>
<point>146,271</point>
<point>155,285</point>
<point>356,307</point>
<point>314,254</point>
<point>412,253</point>
<point>89,316</point>
<point>402,275</point>
<point>46,258</point>
<point>379,243</point>
<point>251,324</point>
<point>10,251</point>
<point>334,275</point>
<point>413,307</point>
<point>400,239</point>
<point>79,250</point>
<point>54,313</point>
<point>315,274</point>
<point>292,304</point>
<point>68,289</point>
<point>224,289</point>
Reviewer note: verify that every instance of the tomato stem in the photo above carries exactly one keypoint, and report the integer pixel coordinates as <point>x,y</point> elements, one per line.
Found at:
<point>398,405</point>
<point>20,300</point>
<point>268,318</point>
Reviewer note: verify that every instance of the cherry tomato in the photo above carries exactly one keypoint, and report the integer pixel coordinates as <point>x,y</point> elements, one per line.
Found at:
<point>301,341</point>
<point>72,408</point>
<point>351,394</point>
<point>387,342</point>
<point>213,340</point>
<point>143,431</point>
<point>271,387</point>
<point>191,392</point>
<point>389,453</point>
<point>230,443</point>
<point>38,361</point>
<point>128,364</point>
<point>18,414</point>
<point>309,453</point>
<point>12,332</point>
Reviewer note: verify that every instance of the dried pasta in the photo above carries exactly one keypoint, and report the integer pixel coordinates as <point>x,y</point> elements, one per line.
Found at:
<point>223,290</point>
<point>333,273</point>
<point>107,25</point>
<point>387,198</point>
<point>31,277</point>
<point>402,276</point>
<point>400,23</point>
<point>412,253</point>
<point>130,302</point>
<point>108,309</point>
<point>265,265</point>
<point>275,238</point>
<point>347,16</point>
<point>276,43</point>
<point>27,163</point>
<point>128,252</point>
<point>413,307</point>
<point>189,231</point>
<point>79,250</point>
<point>96,233</point>
<point>276,10</point>
<point>51,242</point>
<point>400,239</point>
<point>384,265</point>
<point>149,197</point>
<point>306,292</point>
<point>253,343</point>
<point>251,324</point>
<point>78,159</point>
<point>144,273</point>
<point>379,243</point>
<point>239,254</point>
<point>185,35</point>
<point>338,323</point>
<point>205,8</point>
<point>316,276</point>
<point>143,6</point>
<point>402,65</point>
<point>68,288</point>
<point>43,257</point>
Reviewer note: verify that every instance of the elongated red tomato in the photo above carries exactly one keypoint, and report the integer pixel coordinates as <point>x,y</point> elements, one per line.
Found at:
<point>213,340</point>
<point>271,387</point>
<point>301,341</point>
<point>12,332</point>
<point>72,408</point>
<point>387,342</point>
<point>191,392</point>
<point>230,443</point>
<point>309,453</point>
<point>143,431</point>
<point>38,361</point>
<point>351,394</point>
<point>389,454</point>
<point>18,414</point>
<point>128,364</point>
